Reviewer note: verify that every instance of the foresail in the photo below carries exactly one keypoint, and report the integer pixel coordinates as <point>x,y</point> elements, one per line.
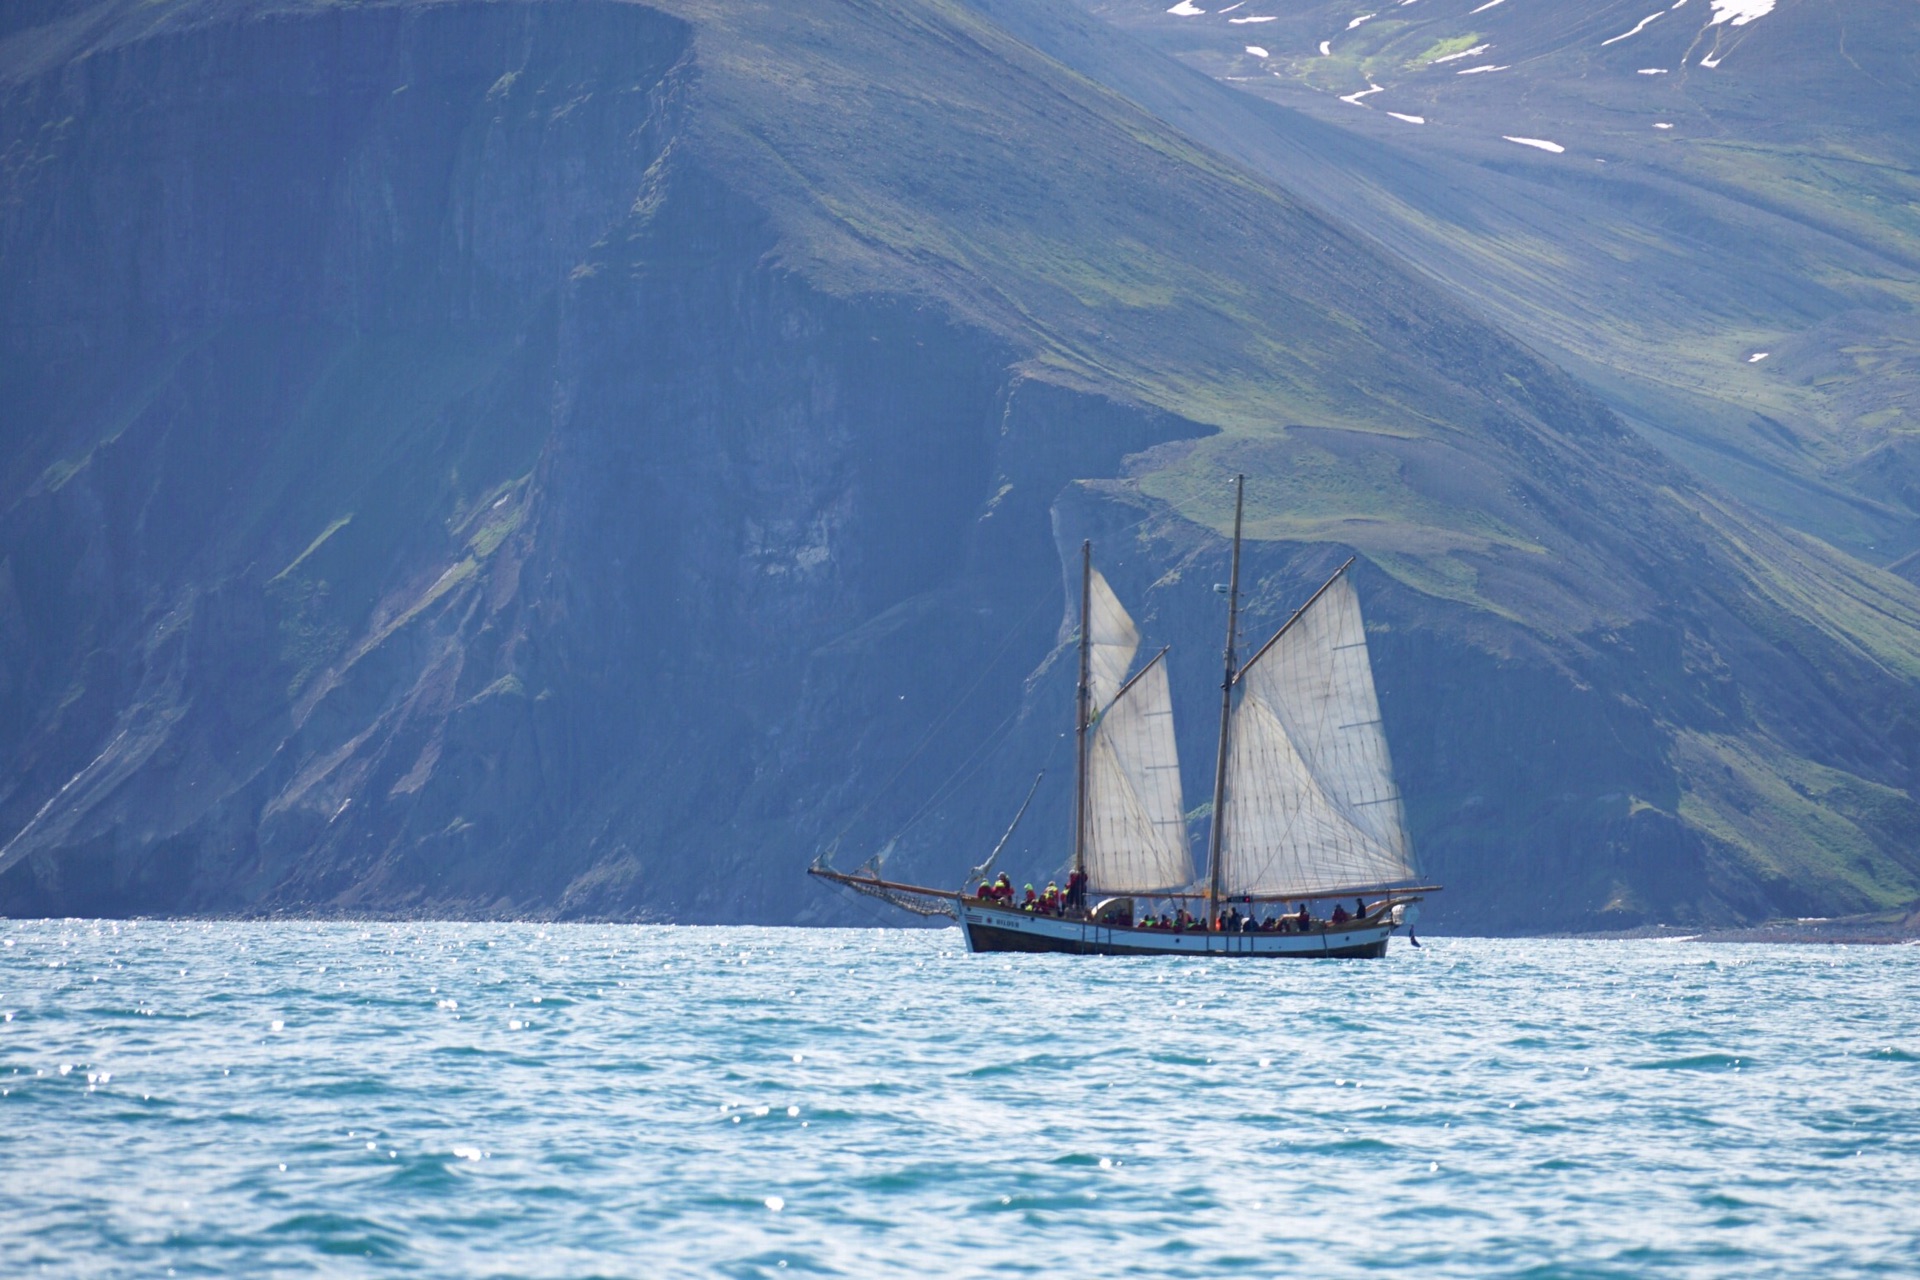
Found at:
<point>1112,640</point>
<point>1136,837</point>
<point>1311,803</point>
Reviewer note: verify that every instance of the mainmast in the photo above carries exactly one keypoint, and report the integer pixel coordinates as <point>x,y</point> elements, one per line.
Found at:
<point>1082,711</point>
<point>1214,841</point>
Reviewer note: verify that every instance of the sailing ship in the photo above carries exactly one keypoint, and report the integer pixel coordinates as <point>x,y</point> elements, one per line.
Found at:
<point>1304,809</point>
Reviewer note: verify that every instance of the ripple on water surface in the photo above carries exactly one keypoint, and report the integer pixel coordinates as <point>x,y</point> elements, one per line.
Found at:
<point>225,1099</point>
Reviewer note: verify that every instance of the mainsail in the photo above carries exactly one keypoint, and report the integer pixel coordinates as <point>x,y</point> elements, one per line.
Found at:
<point>1311,805</point>
<point>1135,839</point>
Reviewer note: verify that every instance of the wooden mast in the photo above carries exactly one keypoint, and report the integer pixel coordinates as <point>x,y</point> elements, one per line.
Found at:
<point>1082,712</point>
<point>1214,840</point>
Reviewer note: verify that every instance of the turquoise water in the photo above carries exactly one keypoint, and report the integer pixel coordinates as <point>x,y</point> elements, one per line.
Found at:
<point>525,1100</point>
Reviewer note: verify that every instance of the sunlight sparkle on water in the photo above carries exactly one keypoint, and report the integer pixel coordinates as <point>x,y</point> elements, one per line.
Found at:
<point>1477,1108</point>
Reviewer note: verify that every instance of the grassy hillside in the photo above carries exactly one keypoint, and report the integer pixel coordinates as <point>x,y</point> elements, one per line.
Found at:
<point>927,150</point>
<point>1723,189</point>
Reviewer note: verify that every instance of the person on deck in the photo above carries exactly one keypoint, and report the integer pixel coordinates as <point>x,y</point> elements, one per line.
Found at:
<point>1030,902</point>
<point>985,892</point>
<point>1304,920</point>
<point>1339,914</point>
<point>1077,892</point>
<point>1050,900</point>
<point>1003,889</point>
<point>1359,908</point>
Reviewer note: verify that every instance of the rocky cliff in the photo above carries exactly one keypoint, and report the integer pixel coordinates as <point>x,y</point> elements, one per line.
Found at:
<point>583,458</point>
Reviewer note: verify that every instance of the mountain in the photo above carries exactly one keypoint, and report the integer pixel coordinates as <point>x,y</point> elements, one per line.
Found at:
<point>1705,211</point>
<point>583,458</point>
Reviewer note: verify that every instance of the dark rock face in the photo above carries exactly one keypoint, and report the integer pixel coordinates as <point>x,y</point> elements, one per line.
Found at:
<point>263,280</point>
<point>429,487</point>
<point>486,522</point>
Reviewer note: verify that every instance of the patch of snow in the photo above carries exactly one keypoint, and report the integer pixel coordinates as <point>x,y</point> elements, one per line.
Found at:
<point>1541,143</point>
<point>1638,28</point>
<point>1739,12</point>
<point>1409,119</point>
<point>1474,71</point>
<point>1257,51</point>
<point>1483,8</point>
<point>1185,9</point>
<point>1365,17</point>
<point>1677,4</point>
<point>1238,22</point>
<point>1709,61</point>
<point>1474,52</point>
<point>1653,71</point>
<point>1662,124</point>
<point>1354,98</point>
<point>1758,356</point>
<point>1235,5</point>
<point>1326,48</point>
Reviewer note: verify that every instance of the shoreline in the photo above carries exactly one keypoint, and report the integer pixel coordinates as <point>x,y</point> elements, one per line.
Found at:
<point>1871,929</point>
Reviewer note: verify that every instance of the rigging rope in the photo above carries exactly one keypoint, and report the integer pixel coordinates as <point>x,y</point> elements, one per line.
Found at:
<point>974,759</point>
<point>934,730</point>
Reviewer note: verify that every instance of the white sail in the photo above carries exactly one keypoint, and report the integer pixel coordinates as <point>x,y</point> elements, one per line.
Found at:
<point>1311,805</point>
<point>1112,640</point>
<point>1136,834</point>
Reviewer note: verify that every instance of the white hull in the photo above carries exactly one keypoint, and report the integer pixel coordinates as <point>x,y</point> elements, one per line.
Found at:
<point>993,928</point>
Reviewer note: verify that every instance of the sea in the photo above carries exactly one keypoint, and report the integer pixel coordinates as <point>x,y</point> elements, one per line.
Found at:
<point>193,1098</point>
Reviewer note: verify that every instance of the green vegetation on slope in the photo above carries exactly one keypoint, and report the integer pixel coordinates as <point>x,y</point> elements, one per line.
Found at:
<point>1447,47</point>
<point>924,150</point>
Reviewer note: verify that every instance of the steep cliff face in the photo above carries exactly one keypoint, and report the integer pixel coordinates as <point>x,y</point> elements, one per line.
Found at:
<point>478,517</point>
<point>543,458</point>
<point>281,309</point>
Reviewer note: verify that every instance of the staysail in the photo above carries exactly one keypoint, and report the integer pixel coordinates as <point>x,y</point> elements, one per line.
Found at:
<point>1135,840</point>
<point>1311,804</point>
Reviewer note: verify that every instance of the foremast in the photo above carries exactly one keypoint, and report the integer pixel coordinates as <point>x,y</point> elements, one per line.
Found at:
<point>1082,711</point>
<point>1218,825</point>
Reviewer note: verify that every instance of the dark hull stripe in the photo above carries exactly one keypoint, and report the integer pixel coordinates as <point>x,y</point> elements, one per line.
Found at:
<point>985,937</point>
